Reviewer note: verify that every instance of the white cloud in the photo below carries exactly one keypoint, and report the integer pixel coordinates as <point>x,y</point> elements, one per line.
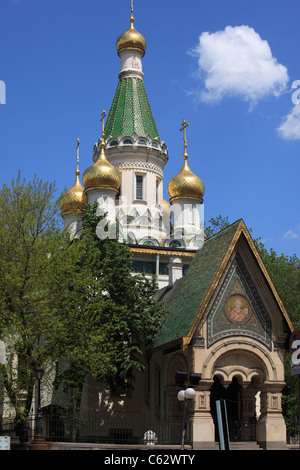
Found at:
<point>290,234</point>
<point>290,127</point>
<point>237,62</point>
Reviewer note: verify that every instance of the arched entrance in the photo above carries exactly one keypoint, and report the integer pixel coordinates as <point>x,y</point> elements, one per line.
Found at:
<point>251,378</point>
<point>238,376</point>
<point>241,417</point>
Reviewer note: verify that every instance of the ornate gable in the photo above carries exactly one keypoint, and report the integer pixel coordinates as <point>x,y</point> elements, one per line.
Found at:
<point>238,309</point>
<point>218,275</point>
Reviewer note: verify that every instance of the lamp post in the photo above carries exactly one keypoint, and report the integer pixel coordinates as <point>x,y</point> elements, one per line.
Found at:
<point>39,442</point>
<point>38,434</point>
<point>185,395</point>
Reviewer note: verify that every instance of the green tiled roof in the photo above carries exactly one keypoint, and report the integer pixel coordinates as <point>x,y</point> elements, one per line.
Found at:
<point>130,111</point>
<point>184,303</point>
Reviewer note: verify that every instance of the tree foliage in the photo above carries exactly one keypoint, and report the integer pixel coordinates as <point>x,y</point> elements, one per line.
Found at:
<point>72,302</point>
<point>110,315</point>
<point>33,264</point>
<point>215,224</point>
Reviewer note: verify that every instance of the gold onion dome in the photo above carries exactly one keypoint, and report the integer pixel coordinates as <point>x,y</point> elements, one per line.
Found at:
<point>186,185</point>
<point>74,200</point>
<point>131,39</point>
<point>102,174</point>
<point>166,208</point>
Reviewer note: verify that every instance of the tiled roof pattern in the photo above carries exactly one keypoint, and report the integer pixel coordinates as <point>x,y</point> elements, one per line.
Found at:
<point>194,286</point>
<point>130,111</point>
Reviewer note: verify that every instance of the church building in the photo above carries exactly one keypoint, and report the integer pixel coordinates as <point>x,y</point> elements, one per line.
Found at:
<point>225,319</point>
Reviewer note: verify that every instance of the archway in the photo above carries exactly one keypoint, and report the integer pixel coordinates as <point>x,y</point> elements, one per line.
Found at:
<point>238,377</point>
<point>241,423</point>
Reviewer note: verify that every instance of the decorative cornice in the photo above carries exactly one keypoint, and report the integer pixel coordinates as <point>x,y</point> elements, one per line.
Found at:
<point>162,251</point>
<point>141,166</point>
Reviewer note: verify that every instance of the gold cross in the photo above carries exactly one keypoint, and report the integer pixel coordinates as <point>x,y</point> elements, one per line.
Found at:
<point>77,170</point>
<point>131,17</point>
<point>102,119</point>
<point>184,126</point>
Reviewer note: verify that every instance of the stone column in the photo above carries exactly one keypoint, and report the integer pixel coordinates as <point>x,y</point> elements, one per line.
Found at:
<point>248,401</point>
<point>271,428</point>
<point>201,423</point>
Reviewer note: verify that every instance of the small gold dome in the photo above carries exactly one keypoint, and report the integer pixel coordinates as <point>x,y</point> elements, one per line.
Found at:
<point>101,174</point>
<point>74,200</point>
<point>166,208</point>
<point>131,39</point>
<point>186,185</point>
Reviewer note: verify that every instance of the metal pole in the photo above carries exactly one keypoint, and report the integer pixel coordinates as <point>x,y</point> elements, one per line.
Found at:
<point>220,425</point>
<point>226,426</point>
<point>184,424</point>
<point>299,407</point>
<point>38,426</point>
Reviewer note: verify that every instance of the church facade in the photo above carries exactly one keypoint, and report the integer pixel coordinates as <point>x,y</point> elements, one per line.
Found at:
<point>225,319</point>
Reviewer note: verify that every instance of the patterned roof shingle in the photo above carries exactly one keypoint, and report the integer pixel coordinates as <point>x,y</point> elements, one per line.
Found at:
<point>130,111</point>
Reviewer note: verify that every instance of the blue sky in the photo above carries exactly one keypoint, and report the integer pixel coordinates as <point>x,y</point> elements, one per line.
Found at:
<point>226,66</point>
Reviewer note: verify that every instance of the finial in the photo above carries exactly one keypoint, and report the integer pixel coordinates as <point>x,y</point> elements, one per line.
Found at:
<point>77,172</point>
<point>184,126</point>
<point>102,143</point>
<point>131,17</point>
<point>102,120</point>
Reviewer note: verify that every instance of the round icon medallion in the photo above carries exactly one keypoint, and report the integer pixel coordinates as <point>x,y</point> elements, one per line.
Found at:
<point>238,309</point>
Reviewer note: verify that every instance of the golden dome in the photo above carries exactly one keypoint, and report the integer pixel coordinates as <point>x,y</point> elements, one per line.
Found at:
<point>186,185</point>
<point>74,200</point>
<point>166,208</point>
<point>101,174</point>
<point>131,39</point>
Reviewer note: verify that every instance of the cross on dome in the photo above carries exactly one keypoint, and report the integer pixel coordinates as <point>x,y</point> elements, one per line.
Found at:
<point>184,126</point>
<point>102,120</point>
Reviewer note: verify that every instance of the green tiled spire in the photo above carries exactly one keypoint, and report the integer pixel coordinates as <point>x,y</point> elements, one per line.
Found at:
<point>130,111</point>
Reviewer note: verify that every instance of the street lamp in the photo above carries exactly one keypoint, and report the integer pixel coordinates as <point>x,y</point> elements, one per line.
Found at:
<point>38,434</point>
<point>185,395</point>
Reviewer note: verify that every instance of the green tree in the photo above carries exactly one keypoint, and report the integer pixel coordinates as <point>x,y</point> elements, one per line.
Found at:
<point>109,314</point>
<point>33,270</point>
<point>215,224</point>
<point>285,273</point>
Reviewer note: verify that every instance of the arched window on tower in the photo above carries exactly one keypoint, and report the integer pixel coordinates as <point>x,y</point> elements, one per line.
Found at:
<point>175,244</point>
